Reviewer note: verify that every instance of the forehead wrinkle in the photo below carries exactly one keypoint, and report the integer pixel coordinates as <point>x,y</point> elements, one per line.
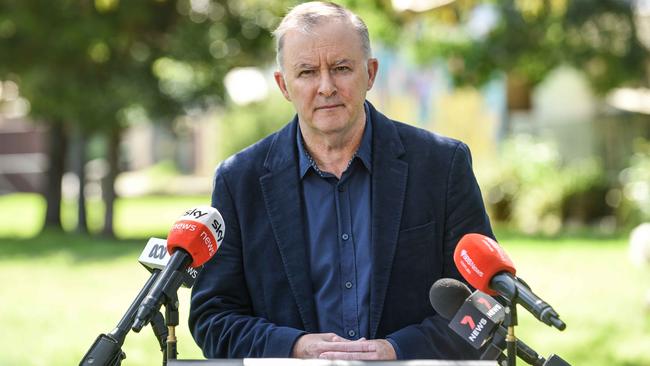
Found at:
<point>336,62</point>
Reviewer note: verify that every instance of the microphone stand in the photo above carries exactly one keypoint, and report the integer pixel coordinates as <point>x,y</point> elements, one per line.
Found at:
<point>107,348</point>
<point>493,350</point>
<point>510,321</point>
<point>160,331</point>
<point>171,320</point>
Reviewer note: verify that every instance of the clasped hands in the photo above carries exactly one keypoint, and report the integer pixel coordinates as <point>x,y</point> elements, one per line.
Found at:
<point>331,346</point>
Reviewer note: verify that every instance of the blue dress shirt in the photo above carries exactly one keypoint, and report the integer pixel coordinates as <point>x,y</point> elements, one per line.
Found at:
<point>338,215</point>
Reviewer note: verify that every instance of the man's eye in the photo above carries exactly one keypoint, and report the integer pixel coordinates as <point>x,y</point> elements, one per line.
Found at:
<point>341,68</point>
<point>306,73</point>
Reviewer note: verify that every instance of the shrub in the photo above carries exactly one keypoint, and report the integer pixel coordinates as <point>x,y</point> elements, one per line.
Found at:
<point>532,188</point>
<point>633,205</point>
<point>242,126</point>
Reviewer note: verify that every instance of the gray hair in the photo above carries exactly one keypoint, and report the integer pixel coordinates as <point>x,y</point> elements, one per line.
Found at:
<point>306,16</point>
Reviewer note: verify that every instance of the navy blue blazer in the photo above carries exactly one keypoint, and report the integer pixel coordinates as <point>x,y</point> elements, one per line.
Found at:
<point>254,297</point>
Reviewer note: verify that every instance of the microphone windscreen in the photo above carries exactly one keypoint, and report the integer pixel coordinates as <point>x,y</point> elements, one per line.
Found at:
<point>447,295</point>
<point>199,232</point>
<point>478,258</point>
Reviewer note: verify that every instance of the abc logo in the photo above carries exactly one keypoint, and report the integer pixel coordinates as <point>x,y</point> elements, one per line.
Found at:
<point>158,251</point>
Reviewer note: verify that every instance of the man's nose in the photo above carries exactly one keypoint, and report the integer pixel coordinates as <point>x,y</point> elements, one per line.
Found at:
<point>326,86</point>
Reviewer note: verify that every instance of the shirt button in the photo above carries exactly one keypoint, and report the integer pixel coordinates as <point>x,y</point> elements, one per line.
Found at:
<point>352,333</point>
<point>345,236</point>
<point>348,284</point>
<point>341,188</point>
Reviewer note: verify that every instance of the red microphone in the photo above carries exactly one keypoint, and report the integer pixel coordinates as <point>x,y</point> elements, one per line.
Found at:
<point>478,258</point>
<point>192,240</point>
<point>487,267</point>
<point>199,232</point>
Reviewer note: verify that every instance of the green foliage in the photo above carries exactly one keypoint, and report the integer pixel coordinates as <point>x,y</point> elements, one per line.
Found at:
<point>635,182</point>
<point>530,38</point>
<point>83,62</point>
<point>242,126</point>
<point>532,187</point>
<point>380,18</point>
<point>97,66</point>
<point>162,170</point>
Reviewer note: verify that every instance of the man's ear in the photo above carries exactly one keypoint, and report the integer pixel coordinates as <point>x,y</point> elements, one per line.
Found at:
<point>373,66</point>
<point>279,79</point>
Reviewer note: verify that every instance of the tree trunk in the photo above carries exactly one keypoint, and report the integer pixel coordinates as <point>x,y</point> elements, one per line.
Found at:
<point>80,170</point>
<point>108,183</point>
<point>57,148</point>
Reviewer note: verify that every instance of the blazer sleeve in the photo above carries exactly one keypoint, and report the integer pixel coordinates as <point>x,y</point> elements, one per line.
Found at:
<point>221,319</point>
<point>464,213</point>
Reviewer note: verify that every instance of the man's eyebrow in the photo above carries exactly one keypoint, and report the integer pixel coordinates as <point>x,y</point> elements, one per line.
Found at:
<point>303,65</point>
<point>342,62</point>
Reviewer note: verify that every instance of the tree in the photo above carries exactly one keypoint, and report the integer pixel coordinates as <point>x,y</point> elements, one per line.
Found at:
<point>527,39</point>
<point>84,64</point>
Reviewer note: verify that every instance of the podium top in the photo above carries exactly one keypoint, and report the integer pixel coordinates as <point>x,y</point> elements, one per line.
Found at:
<point>317,362</point>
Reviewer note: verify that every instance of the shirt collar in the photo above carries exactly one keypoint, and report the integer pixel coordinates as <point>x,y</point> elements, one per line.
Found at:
<point>364,153</point>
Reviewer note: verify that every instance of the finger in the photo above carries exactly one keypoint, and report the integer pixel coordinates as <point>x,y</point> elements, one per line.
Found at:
<point>357,346</point>
<point>348,355</point>
<point>336,338</point>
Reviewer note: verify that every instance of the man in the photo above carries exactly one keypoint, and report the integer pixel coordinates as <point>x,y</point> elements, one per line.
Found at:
<point>337,224</point>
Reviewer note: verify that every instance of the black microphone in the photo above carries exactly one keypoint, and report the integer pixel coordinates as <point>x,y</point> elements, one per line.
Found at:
<point>516,289</point>
<point>454,301</point>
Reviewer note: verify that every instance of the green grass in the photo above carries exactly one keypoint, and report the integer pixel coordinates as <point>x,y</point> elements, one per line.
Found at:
<point>22,215</point>
<point>596,291</point>
<point>60,290</point>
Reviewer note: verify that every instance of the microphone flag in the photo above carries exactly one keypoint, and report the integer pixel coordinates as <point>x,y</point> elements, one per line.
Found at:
<point>477,318</point>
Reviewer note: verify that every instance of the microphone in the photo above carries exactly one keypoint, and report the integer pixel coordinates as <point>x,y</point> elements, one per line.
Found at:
<point>155,256</point>
<point>454,301</point>
<point>192,241</point>
<point>487,267</point>
<point>473,316</point>
<point>106,350</point>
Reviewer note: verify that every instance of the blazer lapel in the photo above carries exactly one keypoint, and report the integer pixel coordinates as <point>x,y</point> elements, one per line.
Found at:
<point>389,175</point>
<point>281,190</point>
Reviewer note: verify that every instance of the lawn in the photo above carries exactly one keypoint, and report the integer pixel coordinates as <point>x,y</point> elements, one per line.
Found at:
<point>21,215</point>
<point>69,288</point>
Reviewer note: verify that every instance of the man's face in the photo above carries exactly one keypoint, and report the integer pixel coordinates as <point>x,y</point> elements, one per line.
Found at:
<point>326,77</point>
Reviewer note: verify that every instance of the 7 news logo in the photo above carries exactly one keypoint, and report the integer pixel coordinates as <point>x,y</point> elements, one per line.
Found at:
<point>476,318</point>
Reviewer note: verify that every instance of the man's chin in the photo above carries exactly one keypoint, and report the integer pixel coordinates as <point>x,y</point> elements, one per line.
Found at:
<point>330,123</point>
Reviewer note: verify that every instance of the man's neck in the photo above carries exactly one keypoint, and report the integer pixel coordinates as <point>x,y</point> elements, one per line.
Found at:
<point>332,153</point>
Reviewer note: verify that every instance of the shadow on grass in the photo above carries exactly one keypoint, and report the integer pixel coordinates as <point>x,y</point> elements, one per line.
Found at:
<point>78,247</point>
<point>83,248</point>
<point>506,235</point>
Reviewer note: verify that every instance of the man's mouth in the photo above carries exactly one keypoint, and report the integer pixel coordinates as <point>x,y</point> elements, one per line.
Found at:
<point>328,107</point>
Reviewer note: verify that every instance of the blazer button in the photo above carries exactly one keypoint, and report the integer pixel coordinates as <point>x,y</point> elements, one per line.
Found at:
<point>352,333</point>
